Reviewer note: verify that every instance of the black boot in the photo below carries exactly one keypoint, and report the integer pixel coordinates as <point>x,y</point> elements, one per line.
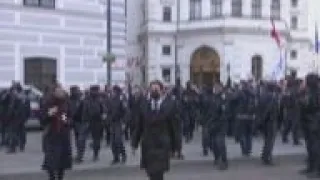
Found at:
<point>96,155</point>
<point>223,166</point>
<point>308,170</point>
<point>115,161</point>
<point>267,161</point>
<point>124,158</point>
<point>51,175</point>
<point>205,152</point>
<point>60,175</point>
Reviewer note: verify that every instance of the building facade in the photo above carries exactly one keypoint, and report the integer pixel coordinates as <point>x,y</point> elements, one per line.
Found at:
<point>65,39</point>
<point>209,40</point>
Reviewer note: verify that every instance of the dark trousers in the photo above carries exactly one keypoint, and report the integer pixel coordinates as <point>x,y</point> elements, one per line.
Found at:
<point>246,135</point>
<point>4,134</point>
<point>107,135</point>
<point>96,133</point>
<point>291,123</point>
<point>156,176</point>
<point>310,140</point>
<point>117,145</point>
<point>269,133</point>
<point>205,139</point>
<point>218,145</point>
<point>56,175</point>
<point>81,135</point>
<point>22,133</point>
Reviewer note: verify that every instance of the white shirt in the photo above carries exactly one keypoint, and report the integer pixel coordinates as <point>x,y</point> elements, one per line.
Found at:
<point>155,105</point>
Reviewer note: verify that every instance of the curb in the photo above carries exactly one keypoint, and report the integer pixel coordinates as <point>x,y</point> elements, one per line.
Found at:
<point>175,164</point>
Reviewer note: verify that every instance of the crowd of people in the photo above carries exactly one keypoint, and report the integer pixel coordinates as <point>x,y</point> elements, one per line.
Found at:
<point>160,120</point>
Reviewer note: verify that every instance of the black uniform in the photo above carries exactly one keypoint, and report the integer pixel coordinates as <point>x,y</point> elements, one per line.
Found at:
<point>116,113</point>
<point>216,126</point>
<point>92,115</point>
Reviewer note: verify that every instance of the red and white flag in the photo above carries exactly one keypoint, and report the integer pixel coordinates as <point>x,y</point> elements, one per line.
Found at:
<point>275,34</point>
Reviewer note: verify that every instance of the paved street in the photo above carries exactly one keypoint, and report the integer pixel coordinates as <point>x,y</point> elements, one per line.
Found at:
<point>239,170</point>
<point>30,160</point>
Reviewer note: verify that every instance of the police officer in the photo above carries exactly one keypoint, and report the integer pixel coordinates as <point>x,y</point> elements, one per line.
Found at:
<point>310,107</point>
<point>291,110</point>
<point>80,127</point>
<point>268,120</point>
<point>92,112</point>
<point>18,113</point>
<point>116,114</point>
<point>246,114</point>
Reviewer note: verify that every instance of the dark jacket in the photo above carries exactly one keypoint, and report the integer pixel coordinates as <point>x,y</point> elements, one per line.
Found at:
<point>56,138</point>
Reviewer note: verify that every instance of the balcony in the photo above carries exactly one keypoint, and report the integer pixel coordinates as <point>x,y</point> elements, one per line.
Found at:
<point>216,23</point>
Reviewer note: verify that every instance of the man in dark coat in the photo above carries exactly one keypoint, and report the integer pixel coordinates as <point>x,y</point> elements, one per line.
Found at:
<point>216,124</point>
<point>116,113</point>
<point>80,128</point>
<point>246,114</point>
<point>92,113</point>
<point>18,113</point>
<point>189,108</point>
<point>291,110</point>
<point>4,105</point>
<point>310,111</point>
<point>269,107</point>
<point>156,129</point>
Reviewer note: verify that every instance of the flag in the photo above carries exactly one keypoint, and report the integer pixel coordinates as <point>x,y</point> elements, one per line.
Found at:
<point>275,34</point>
<point>278,69</point>
<point>316,39</point>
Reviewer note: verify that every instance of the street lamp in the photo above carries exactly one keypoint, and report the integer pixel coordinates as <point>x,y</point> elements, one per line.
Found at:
<point>176,47</point>
<point>109,57</point>
<point>229,75</point>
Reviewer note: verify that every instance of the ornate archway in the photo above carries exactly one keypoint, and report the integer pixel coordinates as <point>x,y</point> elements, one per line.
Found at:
<point>257,67</point>
<point>205,66</point>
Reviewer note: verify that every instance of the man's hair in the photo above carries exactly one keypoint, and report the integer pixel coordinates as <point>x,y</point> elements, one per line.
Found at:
<point>157,82</point>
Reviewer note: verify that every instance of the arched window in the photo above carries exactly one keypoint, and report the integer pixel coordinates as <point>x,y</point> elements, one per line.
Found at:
<point>216,8</point>
<point>236,8</point>
<point>257,67</point>
<point>256,9</point>
<point>275,9</point>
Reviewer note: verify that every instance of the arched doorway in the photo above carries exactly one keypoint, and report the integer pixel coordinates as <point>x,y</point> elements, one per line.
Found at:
<point>39,71</point>
<point>257,67</point>
<point>205,66</point>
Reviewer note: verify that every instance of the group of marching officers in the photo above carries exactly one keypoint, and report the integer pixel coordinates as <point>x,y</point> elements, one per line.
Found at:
<point>160,119</point>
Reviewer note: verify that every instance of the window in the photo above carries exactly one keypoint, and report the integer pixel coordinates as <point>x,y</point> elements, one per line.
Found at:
<point>294,3</point>
<point>216,8</point>
<point>166,50</point>
<point>294,23</point>
<point>40,3</point>
<point>195,9</point>
<point>236,8</point>
<point>257,67</point>
<point>293,55</point>
<point>275,9</point>
<point>167,14</point>
<point>256,9</point>
<point>166,75</point>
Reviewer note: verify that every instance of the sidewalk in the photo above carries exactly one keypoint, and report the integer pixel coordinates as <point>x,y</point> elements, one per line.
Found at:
<point>30,161</point>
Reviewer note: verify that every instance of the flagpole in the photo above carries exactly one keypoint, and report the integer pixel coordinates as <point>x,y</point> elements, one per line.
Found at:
<point>317,63</point>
